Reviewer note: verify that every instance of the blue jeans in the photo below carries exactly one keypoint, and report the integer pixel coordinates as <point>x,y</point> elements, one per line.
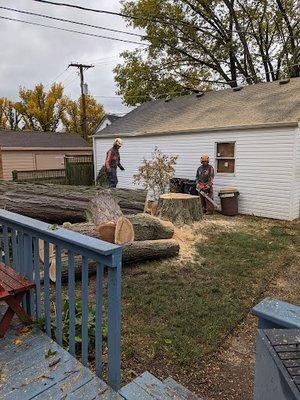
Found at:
<point>112,178</point>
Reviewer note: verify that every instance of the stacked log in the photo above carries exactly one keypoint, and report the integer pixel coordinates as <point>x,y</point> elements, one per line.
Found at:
<point>60,203</point>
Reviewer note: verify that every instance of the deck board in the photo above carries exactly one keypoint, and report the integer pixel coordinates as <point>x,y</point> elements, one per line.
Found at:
<point>27,370</point>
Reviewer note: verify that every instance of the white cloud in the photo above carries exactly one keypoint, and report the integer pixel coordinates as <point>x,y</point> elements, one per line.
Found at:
<point>31,54</point>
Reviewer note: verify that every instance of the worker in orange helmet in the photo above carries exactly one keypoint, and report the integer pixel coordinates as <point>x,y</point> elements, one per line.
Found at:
<point>113,161</point>
<point>204,181</point>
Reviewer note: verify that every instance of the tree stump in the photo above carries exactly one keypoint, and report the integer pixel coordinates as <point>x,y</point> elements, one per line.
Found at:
<point>179,208</point>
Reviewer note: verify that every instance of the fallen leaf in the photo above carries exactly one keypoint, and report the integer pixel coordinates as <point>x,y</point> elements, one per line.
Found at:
<point>18,342</point>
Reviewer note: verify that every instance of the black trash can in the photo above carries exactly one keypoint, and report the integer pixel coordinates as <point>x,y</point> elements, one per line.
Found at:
<point>229,201</point>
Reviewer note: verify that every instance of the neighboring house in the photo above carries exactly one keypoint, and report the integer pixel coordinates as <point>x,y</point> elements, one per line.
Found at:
<point>27,151</point>
<point>252,136</point>
<point>107,120</point>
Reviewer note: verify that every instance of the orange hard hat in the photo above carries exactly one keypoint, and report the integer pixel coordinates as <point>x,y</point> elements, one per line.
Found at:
<point>205,157</point>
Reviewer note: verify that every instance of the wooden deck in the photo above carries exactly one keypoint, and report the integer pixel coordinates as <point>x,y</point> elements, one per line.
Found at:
<point>32,366</point>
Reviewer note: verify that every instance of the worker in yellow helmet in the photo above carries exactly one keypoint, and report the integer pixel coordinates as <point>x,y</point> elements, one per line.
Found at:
<point>112,162</point>
<point>204,181</point>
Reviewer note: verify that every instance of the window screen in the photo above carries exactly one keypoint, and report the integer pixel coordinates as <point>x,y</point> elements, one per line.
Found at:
<point>225,159</point>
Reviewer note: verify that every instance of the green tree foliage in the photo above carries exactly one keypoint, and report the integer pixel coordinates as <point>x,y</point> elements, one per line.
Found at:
<point>9,116</point>
<point>195,41</point>
<point>72,115</point>
<point>41,110</point>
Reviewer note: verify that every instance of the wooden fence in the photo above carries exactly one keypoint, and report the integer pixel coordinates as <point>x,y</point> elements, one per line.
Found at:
<point>41,176</point>
<point>79,170</point>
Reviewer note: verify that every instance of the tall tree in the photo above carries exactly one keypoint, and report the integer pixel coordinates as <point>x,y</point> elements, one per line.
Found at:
<point>195,41</point>
<point>41,110</point>
<point>9,116</point>
<point>71,117</point>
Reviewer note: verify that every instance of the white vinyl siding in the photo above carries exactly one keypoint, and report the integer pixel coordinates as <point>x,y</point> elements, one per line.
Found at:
<point>295,187</point>
<point>264,164</point>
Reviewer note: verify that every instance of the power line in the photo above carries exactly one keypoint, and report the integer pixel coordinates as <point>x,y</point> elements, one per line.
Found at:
<point>72,31</point>
<point>70,21</point>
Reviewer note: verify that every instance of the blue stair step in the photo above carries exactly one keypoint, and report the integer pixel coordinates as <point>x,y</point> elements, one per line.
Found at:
<point>183,392</point>
<point>148,387</point>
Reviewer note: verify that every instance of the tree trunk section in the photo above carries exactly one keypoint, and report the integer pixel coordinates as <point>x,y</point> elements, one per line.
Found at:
<point>181,209</point>
<point>134,252</point>
<point>145,227</point>
<point>61,203</point>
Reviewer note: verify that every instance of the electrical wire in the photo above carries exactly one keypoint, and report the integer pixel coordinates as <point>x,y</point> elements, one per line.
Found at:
<point>72,31</point>
<point>70,21</point>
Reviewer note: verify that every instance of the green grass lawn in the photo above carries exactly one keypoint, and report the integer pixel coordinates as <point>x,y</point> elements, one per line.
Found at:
<point>176,312</point>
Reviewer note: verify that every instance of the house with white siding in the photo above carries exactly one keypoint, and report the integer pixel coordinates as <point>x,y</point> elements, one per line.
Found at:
<point>251,134</point>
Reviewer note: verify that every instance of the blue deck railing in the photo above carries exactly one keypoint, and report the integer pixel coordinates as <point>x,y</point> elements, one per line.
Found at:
<point>23,241</point>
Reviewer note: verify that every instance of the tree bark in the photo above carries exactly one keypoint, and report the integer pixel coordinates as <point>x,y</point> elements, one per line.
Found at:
<point>181,209</point>
<point>132,253</point>
<point>61,203</point>
<point>145,227</point>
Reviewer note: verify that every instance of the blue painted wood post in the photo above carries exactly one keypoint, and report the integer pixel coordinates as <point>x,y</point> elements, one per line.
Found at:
<point>98,319</point>
<point>114,320</point>
<point>37,277</point>
<point>85,311</point>
<point>58,295</point>
<point>47,304</point>
<point>15,250</point>
<point>28,270</point>
<point>71,294</point>
<point>5,245</point>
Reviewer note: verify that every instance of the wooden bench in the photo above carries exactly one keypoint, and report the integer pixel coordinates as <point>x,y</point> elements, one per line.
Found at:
<point>13,287</point>
<point>278,314</point>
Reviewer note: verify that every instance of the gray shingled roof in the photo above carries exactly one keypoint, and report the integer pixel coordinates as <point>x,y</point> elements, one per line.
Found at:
<point>40,139</point>
<point>264,103</point>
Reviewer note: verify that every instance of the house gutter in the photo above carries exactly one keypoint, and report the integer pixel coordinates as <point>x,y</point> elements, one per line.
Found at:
<point>201,130</point>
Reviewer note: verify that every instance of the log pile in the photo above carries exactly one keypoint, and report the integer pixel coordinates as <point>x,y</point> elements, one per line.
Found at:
<point>60,203</point>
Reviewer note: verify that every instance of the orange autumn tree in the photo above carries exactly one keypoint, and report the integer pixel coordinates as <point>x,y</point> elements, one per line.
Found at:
<point>41,110</point>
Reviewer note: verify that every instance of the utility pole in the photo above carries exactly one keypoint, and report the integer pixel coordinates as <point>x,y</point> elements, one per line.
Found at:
<point>81,68</point>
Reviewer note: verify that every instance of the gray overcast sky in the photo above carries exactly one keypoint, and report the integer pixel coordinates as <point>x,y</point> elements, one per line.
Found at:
<point>31,54</point>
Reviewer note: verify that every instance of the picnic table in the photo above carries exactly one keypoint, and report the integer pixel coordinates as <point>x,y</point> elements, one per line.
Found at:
<point>13,287</point>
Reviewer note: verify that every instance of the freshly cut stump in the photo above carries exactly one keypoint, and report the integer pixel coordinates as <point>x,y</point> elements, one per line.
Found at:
<point>179,208</point>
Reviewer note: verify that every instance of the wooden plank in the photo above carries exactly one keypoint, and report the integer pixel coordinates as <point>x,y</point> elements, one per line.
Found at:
<point>294,371</point>
<point>16,281</point>
<point>281,313</point>
<point>183,392</point>
<point>289,355</point>
<point>284,336</point>
<point>287,347</point>
<point>155,387</point>
<point>132,391</point>
<point>292,363</point>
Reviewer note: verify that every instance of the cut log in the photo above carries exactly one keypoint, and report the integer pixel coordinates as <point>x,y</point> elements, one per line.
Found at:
<point>145,227</point>
<point>60,203</point>
<point>106,231</point>
<point>134,252</point>
<point>181,209</point>
<point>124,232</point>
<point>103,208</point>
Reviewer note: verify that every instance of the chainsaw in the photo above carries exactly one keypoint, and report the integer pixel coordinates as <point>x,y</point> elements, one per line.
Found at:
<point>202,192</point>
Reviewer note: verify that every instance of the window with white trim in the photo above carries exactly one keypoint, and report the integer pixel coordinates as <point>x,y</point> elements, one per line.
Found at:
<point>225,157</point>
